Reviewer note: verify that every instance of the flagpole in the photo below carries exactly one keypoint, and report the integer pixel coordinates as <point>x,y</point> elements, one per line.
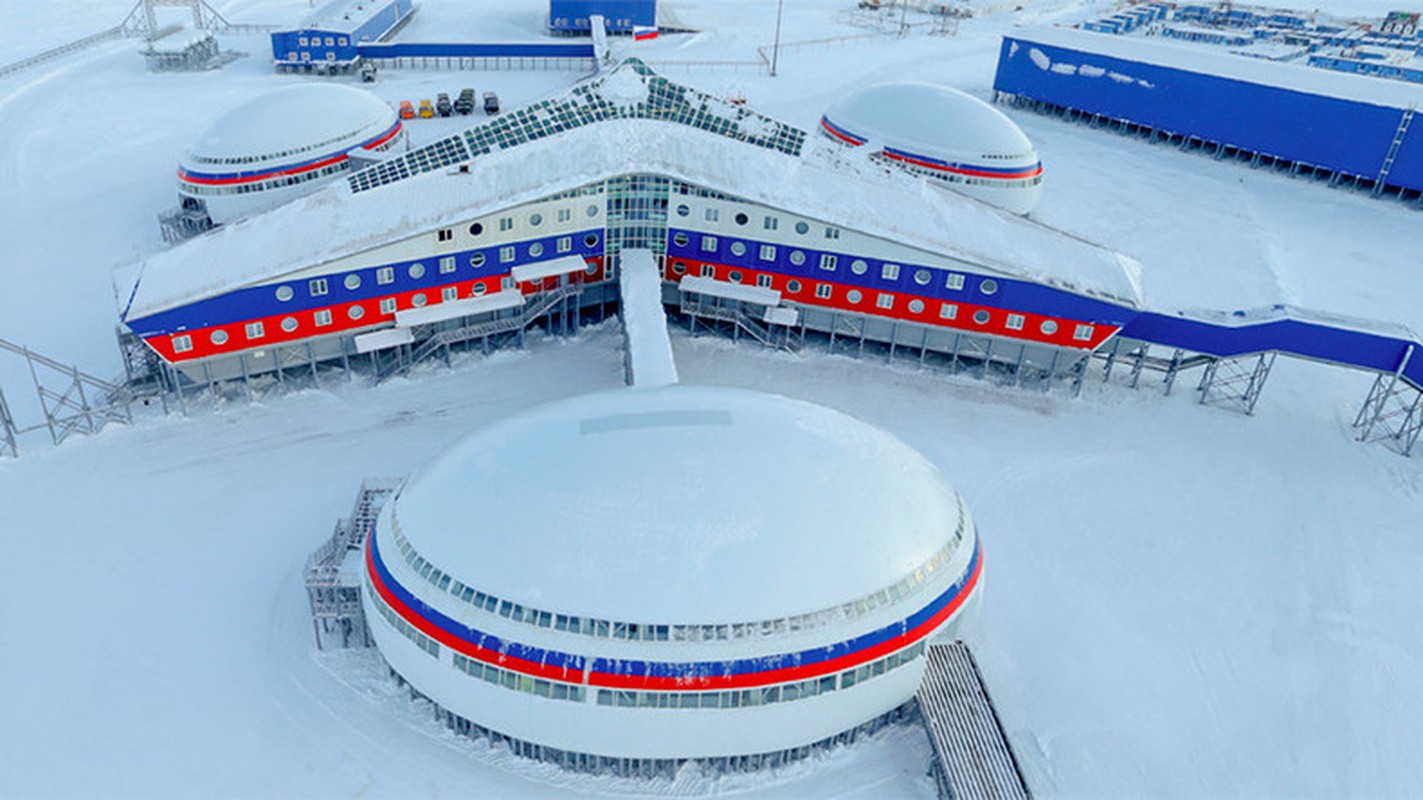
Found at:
<point>776,50</point>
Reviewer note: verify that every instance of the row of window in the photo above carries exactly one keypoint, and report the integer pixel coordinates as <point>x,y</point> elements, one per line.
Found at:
<point>553,690</point>
<point>887,300</point>
<point>279,182</point>
<point>407,630</point>
<point>609,629</point>
<point>761,696</point>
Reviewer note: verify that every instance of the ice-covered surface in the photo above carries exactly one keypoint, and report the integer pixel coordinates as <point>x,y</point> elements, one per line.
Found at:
<point>310,118</point>
<point>1179,601</point>
<point>644,322</point>
<point>703,505</point>
<point>930,120</point>
<point>1181,55</point>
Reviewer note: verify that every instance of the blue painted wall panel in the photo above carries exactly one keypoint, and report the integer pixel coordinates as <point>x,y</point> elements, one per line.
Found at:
<point>618,15</point>
<point>1343,135</point>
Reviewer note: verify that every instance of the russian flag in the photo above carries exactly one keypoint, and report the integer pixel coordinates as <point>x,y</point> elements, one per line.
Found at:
<point>642,33</point>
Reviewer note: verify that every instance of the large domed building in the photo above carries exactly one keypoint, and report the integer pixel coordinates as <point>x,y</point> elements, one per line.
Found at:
<point>954,139</point>
<point>647,576</point>
<point>282,145</point>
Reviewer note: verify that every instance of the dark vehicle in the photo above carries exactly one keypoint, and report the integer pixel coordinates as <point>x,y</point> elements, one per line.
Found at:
<point>491,103</point>
<point>464,104</point>
<point>442,104</point>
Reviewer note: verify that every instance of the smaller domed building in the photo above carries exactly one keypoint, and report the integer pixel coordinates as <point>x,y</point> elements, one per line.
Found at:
<point>282,145</point>
<point>636,578</point>
<point>954,139</point>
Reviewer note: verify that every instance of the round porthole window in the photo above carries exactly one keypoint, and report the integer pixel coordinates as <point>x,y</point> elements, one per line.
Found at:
<point>988,286</point>
<point>679,268</point>
<point>742,219</point>
<point>922,277</point>
<point>683,210</point>
<point>476,229</point>
<point>353,281</point>
<point>591,240</point>
<point>981,317</point>
<point>735,276</point>
<point>738,248</point>
<point>536,249</point>
<point>854,296</point>
<point>1048,327</point>
<point>858,266</point>
<point>418,300</point>
<point>417,270</point>
<point>289,324</point>
<point>355,312</point>
<point>284,293</point>
<point>801,228</point>
<point>916,306</point>
<point>478,289</point>
<point>476,260</point>
<point>536,220</point>
<point>680,239</point>
<point>793,287</point>
<point>218,337</point>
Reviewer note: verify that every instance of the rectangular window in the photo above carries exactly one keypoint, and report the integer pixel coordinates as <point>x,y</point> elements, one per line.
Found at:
<point>822,291</point>
<point>506,254</point>
<point>317,287</point>
<point>827,262</point>
<point>890,272</point>
<point>387,305</point>
<point>771,223</point>
<point>953,281</point>
<point>447,265</point>
<point>255,330</point>
<point>1083,333</point>
<point>385,275</point>
<point>709,244</point>
<point>450,293</point>
<point>885,300</point>
<point>506,223</point>
<point>832,233</point>
<point>764,281</point>
<point>182,344</point>
<point>565,214</point>
<point>948,311</point>
<point>1015,322</point>
<point>565,244</point>
<point>323,317</point>
<point>708,271</point>
<point>444,235</point>
<point>768,252</point>
<point>713,214</point>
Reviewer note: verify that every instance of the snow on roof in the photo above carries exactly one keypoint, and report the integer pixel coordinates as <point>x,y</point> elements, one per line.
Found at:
<point>683,504</point>
<point>294,118</point>
<point>932,120</point>
<point>878,201</point>
<point>649,350</point>
<point>1196,58</point>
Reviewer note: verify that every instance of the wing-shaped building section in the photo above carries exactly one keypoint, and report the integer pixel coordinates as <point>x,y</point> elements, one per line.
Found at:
<point>836,243</point>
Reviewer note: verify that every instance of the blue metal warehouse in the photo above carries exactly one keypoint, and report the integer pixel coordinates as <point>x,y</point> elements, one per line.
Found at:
<point>1336,125</point>
<point>327,41</point>
<point>619,16</point>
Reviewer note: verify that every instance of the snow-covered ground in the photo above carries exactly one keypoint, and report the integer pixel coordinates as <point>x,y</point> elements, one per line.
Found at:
<point>1179,601</point>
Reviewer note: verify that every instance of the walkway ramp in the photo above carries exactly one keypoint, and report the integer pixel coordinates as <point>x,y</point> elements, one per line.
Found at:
<point>972,757</point>
<point>649,361</point>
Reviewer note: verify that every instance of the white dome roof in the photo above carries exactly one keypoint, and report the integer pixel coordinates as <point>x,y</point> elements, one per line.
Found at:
<point>292,119</point>
<point>931,120</point>
<point>678,505</point>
